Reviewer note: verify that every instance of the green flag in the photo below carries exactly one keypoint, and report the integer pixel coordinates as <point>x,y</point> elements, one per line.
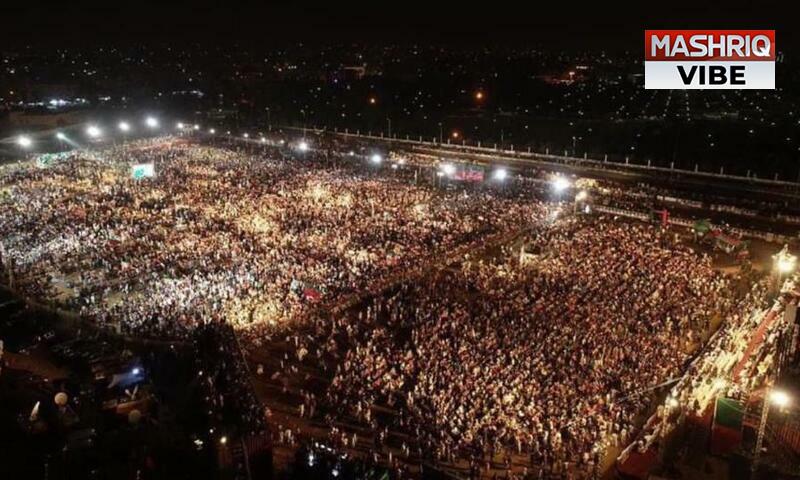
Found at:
<point>726,432</point>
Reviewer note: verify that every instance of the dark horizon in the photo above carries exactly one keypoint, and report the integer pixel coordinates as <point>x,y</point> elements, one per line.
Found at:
<point>566,26</point>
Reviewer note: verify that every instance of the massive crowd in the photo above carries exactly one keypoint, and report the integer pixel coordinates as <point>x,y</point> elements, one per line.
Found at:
<point>257,240</point>
<point>542,353</point>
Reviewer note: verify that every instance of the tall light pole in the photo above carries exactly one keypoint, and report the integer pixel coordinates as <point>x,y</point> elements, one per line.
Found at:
<point>785,263</point>
<point>780,399</point>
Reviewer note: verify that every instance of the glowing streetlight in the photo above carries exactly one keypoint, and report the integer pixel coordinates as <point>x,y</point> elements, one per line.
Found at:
<point>376,158</point>
<point>560,184</point>
<point>223,440</point>
<point>124,126</point>
<point>455,134</point>
<point>779,398</point>
<point>500,174</point>
<point>373,100</point>
<point>786,262</point>
<point>151,122</point>
<point>93,131</point>
<point>24,141</point>
<point>479,95</point>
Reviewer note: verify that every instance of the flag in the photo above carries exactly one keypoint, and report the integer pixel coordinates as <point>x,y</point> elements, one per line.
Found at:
<point>312,295</point>
<point>726,431</point>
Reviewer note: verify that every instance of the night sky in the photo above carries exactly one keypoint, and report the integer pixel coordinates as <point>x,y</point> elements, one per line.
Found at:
<point>558,24</point>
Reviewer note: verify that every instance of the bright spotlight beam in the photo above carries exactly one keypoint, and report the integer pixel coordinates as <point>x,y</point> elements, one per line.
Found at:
<point>24,141</point>
<point>93,131</point>
<point>560,184</point>
<point>448,169</point>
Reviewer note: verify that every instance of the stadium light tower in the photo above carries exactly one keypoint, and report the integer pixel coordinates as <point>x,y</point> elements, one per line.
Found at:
<point>24,141</point>
<point>151,122</point>
<point>124,127</point>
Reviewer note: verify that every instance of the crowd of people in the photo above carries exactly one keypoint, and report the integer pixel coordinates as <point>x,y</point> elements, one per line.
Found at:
<point>254,239</point>
<point>542,355</point>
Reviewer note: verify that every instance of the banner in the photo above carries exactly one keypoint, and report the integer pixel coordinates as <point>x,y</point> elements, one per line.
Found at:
<point>143,170</point>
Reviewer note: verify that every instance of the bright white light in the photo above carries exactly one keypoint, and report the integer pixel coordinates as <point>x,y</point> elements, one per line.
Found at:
<point>310,459</point>
<point>303,146</point>
<point>93,131</point>
<point>24,141</point>
<point>779,398</point>
<point>376,158</point>
<point>786,263</point>
<point>560,184</point>
<point>246,135</point>
<point>212,131</point>
<point>179,126</point>
<point>352,153</point>
<point>61,136</point>
<point>223,440</point>
<point>581,196</point>
<point>151,122</point>
<point>196,126</point>
<point>136,371</point>
<point>124,126</point>
<point>448,169</point>
<point>401,161</point>
<point>500,174</point>
<point>263,140</point>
